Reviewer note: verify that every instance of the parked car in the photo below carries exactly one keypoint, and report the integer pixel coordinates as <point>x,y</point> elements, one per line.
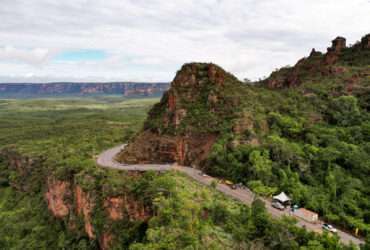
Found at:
<point>229,183</point>
<point>329,228</point>
<point>277,205</point>
<point>240,185</point>
<point>203,174</point>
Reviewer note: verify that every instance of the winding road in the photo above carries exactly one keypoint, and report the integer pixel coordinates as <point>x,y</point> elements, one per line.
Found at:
<point>107,160</point>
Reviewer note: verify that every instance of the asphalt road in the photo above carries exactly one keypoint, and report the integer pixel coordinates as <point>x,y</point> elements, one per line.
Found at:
<point>107,160</point>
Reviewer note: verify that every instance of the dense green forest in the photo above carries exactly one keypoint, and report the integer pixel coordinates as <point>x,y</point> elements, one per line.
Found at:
<point>324,166</point>
<point>68,133</point>
<point>311,140</point>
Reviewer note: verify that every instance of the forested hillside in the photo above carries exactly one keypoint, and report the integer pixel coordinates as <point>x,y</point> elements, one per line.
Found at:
<point>52,194</point>
<point>305,130</point>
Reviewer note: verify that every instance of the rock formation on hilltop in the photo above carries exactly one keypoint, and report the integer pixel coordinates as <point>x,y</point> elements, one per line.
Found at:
<point>174,131</point>
<point>317,64</point>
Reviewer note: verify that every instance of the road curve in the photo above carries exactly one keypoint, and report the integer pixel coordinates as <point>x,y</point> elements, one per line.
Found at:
<point>107,160</point>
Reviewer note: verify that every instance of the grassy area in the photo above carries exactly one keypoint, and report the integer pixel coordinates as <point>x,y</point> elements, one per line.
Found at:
<point>98,103</point>
<point>42,124</point>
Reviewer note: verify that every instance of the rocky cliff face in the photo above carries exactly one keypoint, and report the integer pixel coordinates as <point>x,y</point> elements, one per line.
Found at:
<point>70,202</point>
<point>127,89</point>
<point>174,130</point>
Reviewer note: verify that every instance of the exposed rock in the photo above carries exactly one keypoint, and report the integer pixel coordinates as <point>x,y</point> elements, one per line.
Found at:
<point>331,57</point>
<point>134,210</point>
<point>319,65</point>
<point>245,122</point>
<point>150,147</point>
<point>58,192</point>
<point>171,102</point>
<point>172,132</point>
<point>114,207</point>
<point>365,42</point>
<point>216,75</point>
<point>351,83</point>
<point>180,114</point>
<point>68,202</point>
<point>84,207</point>
<point>106,241</point>
<point>338,44</point>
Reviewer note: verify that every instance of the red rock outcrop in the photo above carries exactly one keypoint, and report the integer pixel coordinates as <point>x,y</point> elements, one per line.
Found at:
<point>216,75</point>
<point>114,207</point>
<point>84,207</point>
<point>150,147</point>
<point>173,138</point>
<point>338,44</point>
<point>106,241</point>
<point>58,192</point>
<point>316,64</point>
<point>171,102</point>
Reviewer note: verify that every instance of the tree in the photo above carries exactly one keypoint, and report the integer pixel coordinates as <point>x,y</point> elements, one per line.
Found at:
<point>345,111</point>
<point>260,217</point>
<point>262,164</point>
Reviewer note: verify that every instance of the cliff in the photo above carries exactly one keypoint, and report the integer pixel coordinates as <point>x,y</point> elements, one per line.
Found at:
<point>84,206</point>
<point>128,89</point>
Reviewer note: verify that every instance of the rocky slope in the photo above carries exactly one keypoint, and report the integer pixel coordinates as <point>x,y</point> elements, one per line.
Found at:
<point>338,61</point>
<point>201,103</point>
<point>127,89</point>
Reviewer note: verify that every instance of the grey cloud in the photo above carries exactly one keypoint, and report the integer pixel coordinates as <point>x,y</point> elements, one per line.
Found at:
<point>150,39</point>
<point>32,56</point>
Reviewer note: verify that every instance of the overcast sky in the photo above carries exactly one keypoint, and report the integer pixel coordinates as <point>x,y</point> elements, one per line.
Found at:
<point>149,40</point>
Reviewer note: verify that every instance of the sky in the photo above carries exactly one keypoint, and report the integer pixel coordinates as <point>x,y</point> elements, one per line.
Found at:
<point>149,40</point>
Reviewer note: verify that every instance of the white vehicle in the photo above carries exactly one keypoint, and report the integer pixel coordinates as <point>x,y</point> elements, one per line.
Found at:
<point>277,205</point>
<point>329,228</point>
<point>203,174</point>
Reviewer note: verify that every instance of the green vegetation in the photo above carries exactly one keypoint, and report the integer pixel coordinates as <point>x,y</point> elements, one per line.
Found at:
<point>312,141</point>
<point>70,131</point>
<point>184,214</point>
<point>64,134</point>
<point>189,216</point>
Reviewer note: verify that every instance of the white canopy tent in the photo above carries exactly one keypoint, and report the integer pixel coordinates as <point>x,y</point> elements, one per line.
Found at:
<point>282,198</point>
